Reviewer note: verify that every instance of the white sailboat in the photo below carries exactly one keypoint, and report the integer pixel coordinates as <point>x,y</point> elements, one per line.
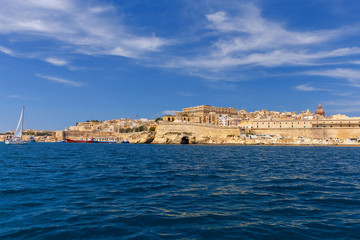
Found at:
<point>18,133</point>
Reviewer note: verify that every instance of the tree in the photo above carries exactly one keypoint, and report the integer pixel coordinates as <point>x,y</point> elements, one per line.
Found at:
<point>158,119</point>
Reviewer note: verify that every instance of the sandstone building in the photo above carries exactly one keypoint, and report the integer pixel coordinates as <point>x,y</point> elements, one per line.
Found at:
<point>203,114</point>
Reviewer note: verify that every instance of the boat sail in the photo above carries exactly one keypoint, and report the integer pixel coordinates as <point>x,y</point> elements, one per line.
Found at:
<point>18,133</point>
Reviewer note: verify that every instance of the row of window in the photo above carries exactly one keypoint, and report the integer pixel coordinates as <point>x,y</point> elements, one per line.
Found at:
<point>318,126</point>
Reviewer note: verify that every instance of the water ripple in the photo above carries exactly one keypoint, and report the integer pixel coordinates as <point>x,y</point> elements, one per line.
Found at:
<point>81,191</point>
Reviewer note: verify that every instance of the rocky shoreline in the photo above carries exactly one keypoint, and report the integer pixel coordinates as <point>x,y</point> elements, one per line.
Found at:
<point>200,134</point>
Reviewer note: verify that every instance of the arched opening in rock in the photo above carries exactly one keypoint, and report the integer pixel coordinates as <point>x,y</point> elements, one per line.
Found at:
<point>184,140</point>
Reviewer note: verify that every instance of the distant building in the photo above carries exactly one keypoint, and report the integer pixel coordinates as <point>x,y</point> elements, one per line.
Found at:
<point>320,111</point>
<point>262,119</point>
<point>205,114</point>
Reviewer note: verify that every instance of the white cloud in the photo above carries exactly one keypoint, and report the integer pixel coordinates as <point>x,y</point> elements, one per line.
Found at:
<point>16,96</point>
<point>250,31</point>
<point>6,51</point>
<point>169,112</point>
<point>61,80</point>
<point>246,39</point>
<point>56,61</point>
<point>351,105</point>
<point>101,9</point>
<point>307,88</point>
<point>82,28</point>
<point>343,103</point>
<point>268,59</point>
<point>185,94</point>
<point>352,75</point>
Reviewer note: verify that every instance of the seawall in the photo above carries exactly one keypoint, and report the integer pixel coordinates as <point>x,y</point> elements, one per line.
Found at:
<point>176,133</point>
<point>316,133</point>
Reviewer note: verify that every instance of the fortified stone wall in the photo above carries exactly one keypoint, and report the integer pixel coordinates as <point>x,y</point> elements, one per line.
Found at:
<point>138,137</point>
<point>324,133</point>
<point>175,133</point>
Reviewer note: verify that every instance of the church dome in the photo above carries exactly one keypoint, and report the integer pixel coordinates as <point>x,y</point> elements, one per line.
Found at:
<point>320,111</point>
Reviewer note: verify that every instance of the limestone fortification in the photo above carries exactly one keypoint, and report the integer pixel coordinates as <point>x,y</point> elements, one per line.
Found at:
<point>178,132</point>
<point>214,125</point>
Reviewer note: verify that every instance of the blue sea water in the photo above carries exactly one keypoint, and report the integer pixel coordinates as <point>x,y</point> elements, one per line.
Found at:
<point>122,191</point>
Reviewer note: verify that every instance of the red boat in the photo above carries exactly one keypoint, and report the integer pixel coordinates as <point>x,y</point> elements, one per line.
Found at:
<point>80,141</point>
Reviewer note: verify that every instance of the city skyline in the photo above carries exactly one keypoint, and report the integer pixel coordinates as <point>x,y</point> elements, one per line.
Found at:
<point>72,61</point>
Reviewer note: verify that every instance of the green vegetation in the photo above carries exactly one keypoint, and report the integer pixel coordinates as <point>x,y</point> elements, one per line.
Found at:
<point>136,129</point>
<point>93,121</point>
<point>38,134</point>
<point>175,133</point>
<point>152,129</point>
<point>158,119</point>
<point>43,134</point>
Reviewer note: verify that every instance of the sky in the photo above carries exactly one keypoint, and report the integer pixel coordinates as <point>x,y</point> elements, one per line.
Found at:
<point>68,61</point>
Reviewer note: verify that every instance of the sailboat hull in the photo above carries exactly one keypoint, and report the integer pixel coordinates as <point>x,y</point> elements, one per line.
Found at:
<point>16,142</point>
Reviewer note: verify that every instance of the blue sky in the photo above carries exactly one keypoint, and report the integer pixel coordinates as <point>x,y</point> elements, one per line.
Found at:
<point>77,60</point>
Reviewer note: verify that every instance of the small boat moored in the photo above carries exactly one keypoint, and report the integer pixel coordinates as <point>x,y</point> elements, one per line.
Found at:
<point>80,141</point>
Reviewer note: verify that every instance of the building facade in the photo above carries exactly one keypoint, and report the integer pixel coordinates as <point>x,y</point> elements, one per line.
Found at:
<point>204,114</point>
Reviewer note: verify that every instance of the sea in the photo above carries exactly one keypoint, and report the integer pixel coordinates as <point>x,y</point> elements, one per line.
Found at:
<point>132,191</point>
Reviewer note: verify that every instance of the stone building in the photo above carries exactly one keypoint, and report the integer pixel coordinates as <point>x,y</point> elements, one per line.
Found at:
<point>205,114</point>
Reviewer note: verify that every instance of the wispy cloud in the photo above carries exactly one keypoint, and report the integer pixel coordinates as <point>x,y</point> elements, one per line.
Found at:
<point>351,102</point>
<point>61,80</point>
<point>243,38</point>
<point>269,59</point>
<point>56,61</point>
<point>14,96</point>
<point>6,51</point>
<point>185,94</point>
<point>308,88</point>
<point>351,75</point>
<point>250,31</point>
<point>84,29</point>
<point>169,112</point>
<point>351,105</point>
